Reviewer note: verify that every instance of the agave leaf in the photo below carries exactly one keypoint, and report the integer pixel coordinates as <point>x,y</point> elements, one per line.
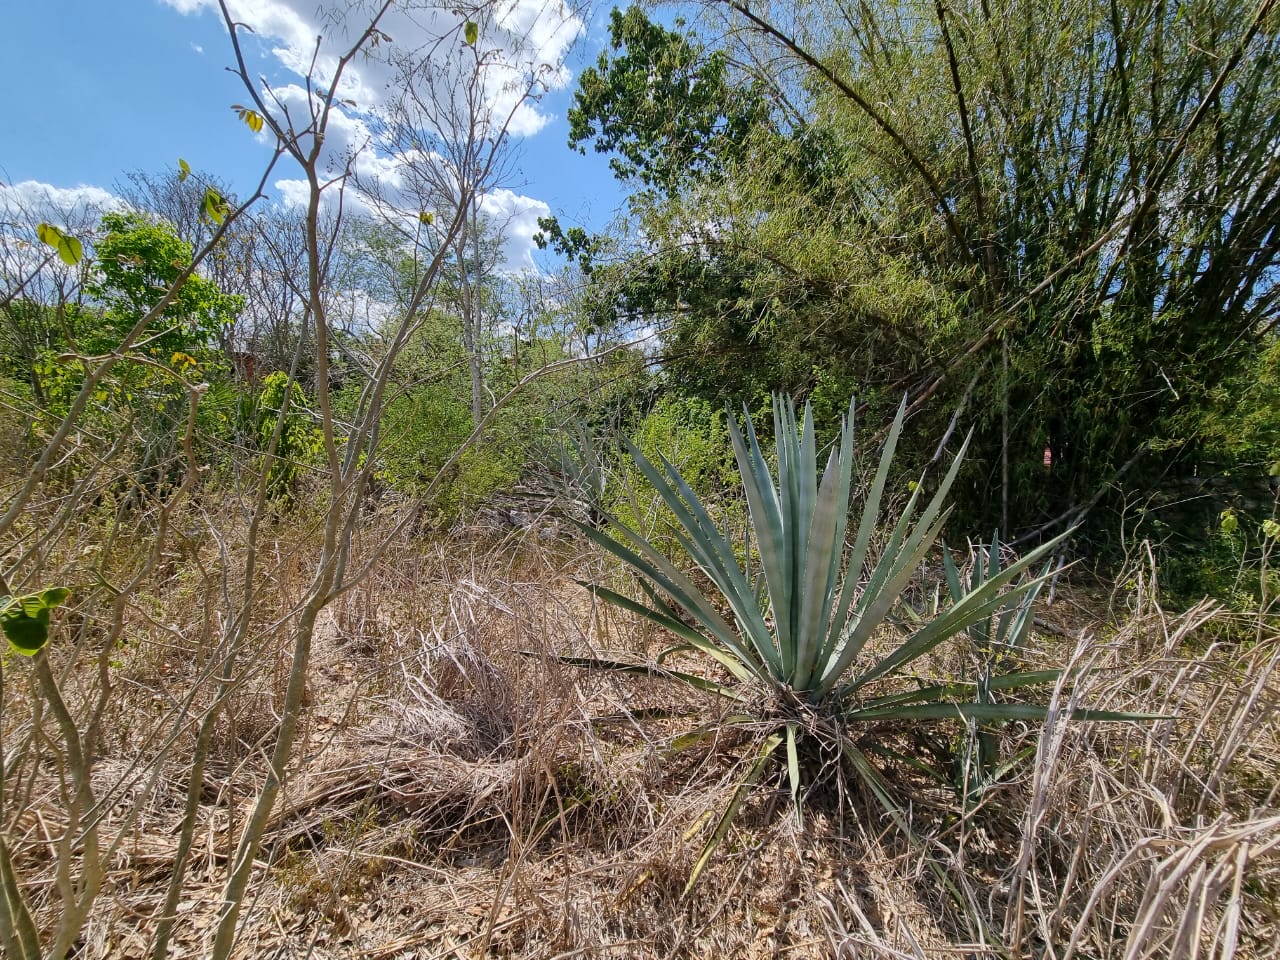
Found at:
<point>742,602</point>
<point>952,574</point>
<point>703,541</point>
<point>665,575</point>
<point>1025,613</point>
<point>707,731</point>
<point>802,492</point>
<point>962,688</point>
<point>871,776</point>
<point>793,772</point>
<point>865,622</point>
<point>680,629</point>
<point>891,553</point>
<point>644,669</point>
<point>896,562</point>
<point>766,518</point>
<point>726,819</point>
<point>844,474</point>
<point>988,711</point>
<point>871,506</point>
<point>915,763</point>
<point>822,560</point>
<point>1003,769</point>
<point>688,509</point>
<point>902,543</point>
<point>933,633</point>
<point>969,610</point>
<point>866,526</point>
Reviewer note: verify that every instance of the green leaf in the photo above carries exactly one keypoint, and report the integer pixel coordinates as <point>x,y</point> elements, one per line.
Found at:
<point>215,206</point>
<point>648,670</point>
<point>184,170</point>
<point>1229,522</point>
<point>793,772</point>
<point>25,620</point>
<point>1271,529</point>
<point>426,218</point>
<point>55,596</point>
<point>668,622</point>
<point>989,711</point>
<point>471,32</point>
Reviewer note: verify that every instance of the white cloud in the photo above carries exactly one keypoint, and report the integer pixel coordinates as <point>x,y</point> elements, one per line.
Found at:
<point>64,206</point>
<point>519,38</point>
<point>197,48</point>
<point>521,49</point>
<point>510,215</point>
<point>516,217</point>
<point>23,258</point>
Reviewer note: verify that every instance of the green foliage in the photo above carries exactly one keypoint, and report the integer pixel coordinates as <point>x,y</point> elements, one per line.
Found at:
<point>945,192</point>
<point>424,424</point>
<point>1231,560</point>
<point>25,620</point>
<point>670,110</point>
<point>693,434</point>
<point>137,261</point>
<point>134,276</point>
<point>803,610</point>
<point>299,443</point>
<point>216,206</point>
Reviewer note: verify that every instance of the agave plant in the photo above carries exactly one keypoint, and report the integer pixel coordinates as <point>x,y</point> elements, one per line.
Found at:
<point>805,607</point>
<point>995,639</point>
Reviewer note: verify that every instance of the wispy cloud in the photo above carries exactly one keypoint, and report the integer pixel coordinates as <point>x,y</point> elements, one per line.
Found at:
<point>522,44</point>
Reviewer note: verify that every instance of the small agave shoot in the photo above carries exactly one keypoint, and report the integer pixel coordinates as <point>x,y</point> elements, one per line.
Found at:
<point>805,606</point>
<point>997,639</point>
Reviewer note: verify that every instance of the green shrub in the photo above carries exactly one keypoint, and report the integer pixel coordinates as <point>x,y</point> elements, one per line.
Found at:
<point>299,444</point>
<point>693,436</point>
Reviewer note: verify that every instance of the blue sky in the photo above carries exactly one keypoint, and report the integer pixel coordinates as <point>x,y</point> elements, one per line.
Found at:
<point>100,89</point>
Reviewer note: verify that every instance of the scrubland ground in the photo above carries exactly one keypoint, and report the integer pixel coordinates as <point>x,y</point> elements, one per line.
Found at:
<point>457,791</point>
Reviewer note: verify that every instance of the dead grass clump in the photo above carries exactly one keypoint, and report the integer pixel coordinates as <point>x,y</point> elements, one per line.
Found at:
<point>456,791</point>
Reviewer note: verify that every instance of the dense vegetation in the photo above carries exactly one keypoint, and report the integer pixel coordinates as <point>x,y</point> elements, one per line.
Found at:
<point>328,533</point>
<point>1059,219</point>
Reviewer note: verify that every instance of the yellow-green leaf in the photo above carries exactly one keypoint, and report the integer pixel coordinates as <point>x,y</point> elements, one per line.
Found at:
<point>68,247</point>
<point>25,620</point>
<point>426,218</point>
<point>1229,522</point>
<point>251,117</point>
<point>215,206</point>
<point>184,170</point>
<point>472,32</point>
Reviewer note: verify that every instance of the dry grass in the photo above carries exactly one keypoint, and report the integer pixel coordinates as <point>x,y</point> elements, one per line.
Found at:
<point>459,793</point>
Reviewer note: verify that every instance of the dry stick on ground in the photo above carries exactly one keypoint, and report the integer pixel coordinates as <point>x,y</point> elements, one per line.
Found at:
<point>333,550</point>
<point>81,861</point>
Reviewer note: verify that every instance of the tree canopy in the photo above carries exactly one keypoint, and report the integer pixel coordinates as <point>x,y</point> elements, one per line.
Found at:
<point>1061,217</point>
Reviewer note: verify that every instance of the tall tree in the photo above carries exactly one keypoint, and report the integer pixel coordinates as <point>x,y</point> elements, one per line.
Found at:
<point>1072,229</point>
